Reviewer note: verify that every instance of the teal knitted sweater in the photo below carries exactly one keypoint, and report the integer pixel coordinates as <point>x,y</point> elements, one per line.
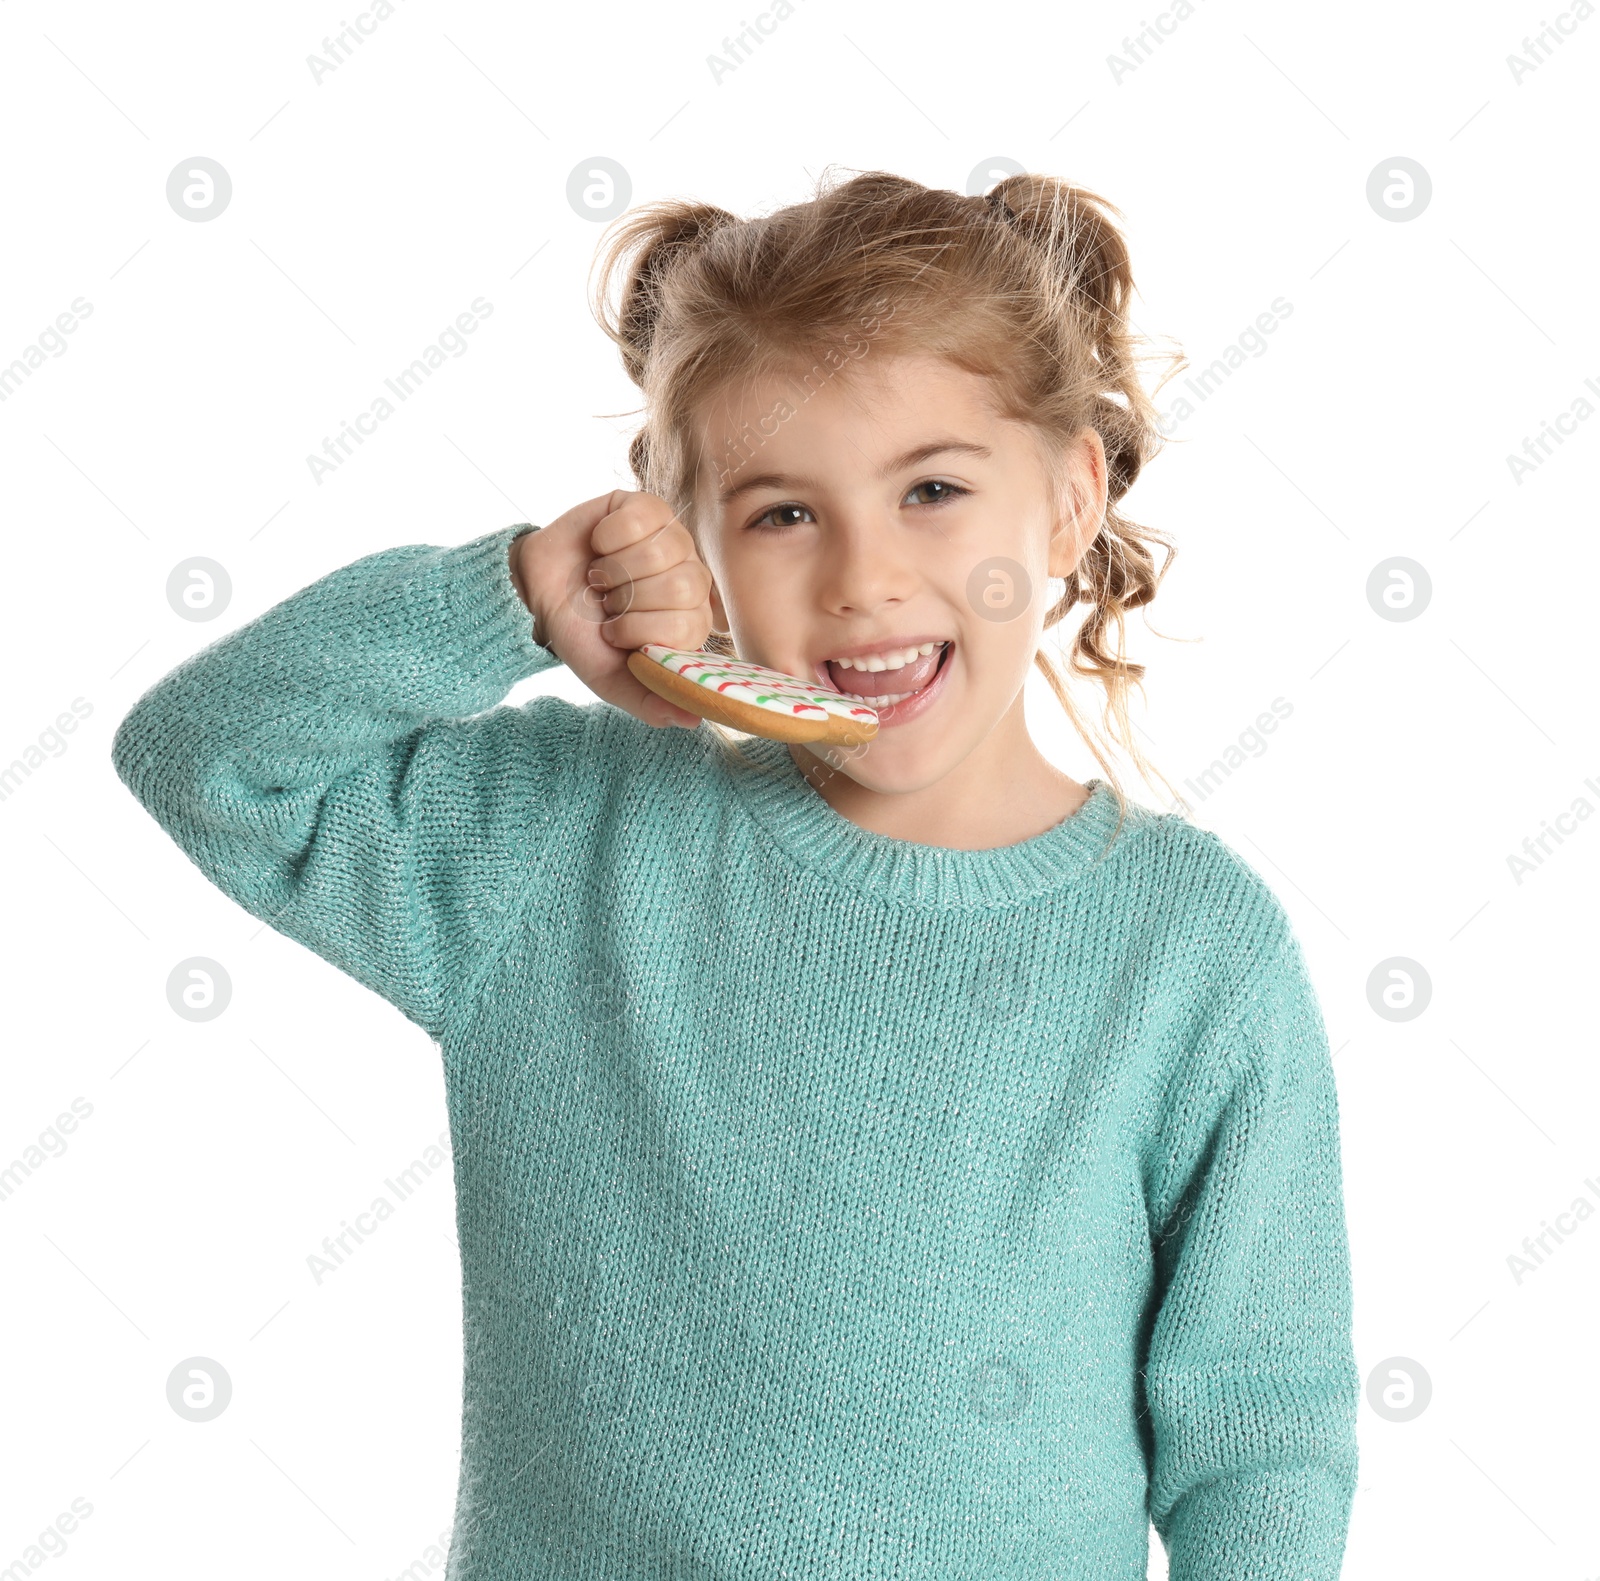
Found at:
<point>830,1205</point>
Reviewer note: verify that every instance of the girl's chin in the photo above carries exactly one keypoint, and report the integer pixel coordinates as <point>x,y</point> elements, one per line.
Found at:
<point>890,764</point>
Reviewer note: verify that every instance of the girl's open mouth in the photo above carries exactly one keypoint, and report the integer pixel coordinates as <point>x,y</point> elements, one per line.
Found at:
<point>898,695</point>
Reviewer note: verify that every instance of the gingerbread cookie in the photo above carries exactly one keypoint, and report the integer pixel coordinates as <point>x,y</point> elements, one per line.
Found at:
<point>751,698</point>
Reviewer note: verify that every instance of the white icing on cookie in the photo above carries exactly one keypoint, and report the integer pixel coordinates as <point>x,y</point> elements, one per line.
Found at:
<point>771,690</point>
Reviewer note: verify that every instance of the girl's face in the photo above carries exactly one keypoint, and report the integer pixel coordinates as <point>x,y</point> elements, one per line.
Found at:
<point>892,519</point>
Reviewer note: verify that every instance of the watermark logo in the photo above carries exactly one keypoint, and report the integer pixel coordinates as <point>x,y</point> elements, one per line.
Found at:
<point>1399,988</point>
<point>988,172</point>
<point>603,994</point>
<point>198,589</point>
<point>998,1390</point>
<point>199,189</point>
<point>1399,589</point>
<point>1399,189</point>
<point>995,986</point>
<point>199,1389</point>
<point>199,989</point>
<point>999,589</point>
<point>598,189</point>
<point>1399,1389</point>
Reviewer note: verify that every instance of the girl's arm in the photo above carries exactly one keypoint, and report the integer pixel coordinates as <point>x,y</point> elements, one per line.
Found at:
<point>319,765</point>
<point>1251,1381</point>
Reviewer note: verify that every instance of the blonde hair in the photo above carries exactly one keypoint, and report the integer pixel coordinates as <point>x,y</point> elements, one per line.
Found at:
<point>1027,286</point>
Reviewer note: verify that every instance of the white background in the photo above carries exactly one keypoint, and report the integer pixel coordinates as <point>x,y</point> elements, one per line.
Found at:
<point>371,208</point>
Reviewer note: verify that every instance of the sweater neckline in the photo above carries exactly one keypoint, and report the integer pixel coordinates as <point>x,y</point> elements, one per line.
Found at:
<point>796,817</point>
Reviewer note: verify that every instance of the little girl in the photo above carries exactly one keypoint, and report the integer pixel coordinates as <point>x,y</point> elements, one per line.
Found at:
<point>903,1162</point>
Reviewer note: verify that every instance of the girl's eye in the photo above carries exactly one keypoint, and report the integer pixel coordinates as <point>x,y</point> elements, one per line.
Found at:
<point>952,491</point>
<point>777,510</point>
<point>787,513</point>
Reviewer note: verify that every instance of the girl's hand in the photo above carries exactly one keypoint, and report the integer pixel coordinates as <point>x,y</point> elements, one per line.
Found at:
<point>612,574</point>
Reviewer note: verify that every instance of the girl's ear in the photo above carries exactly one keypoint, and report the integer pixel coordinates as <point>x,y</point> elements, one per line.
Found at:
<point>1084,511</point>
<point>719,615</point>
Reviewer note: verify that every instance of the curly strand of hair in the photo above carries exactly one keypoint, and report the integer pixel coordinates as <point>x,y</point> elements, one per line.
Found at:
<point>1076,233</point>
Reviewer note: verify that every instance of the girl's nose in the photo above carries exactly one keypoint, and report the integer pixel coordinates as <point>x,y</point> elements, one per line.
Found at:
<point>864,565</point>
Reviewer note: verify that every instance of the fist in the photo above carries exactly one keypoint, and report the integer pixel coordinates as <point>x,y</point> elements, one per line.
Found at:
<point>610,575</point>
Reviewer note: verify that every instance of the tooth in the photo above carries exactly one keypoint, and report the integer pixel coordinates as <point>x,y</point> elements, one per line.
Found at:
<point>894,659</point>
<point>877,699</point>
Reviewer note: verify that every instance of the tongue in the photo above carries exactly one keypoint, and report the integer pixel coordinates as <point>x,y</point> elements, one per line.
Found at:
<point>884,683</point>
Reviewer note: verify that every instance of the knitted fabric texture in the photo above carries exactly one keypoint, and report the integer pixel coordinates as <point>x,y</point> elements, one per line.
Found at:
<point>830,1205</point>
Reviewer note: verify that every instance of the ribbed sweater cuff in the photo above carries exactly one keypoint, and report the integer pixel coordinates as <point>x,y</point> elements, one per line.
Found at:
<point>484,625</point>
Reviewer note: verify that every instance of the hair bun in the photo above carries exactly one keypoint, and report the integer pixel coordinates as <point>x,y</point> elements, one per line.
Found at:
<point>644,247</point>
<point>1078,233</point>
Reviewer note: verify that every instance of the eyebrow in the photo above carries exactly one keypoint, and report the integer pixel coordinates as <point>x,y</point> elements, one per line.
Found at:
<point>919,453</point>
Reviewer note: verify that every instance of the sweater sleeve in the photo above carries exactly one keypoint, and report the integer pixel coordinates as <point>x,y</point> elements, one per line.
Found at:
<point>1250,1381</point>
<point>330,765</point>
